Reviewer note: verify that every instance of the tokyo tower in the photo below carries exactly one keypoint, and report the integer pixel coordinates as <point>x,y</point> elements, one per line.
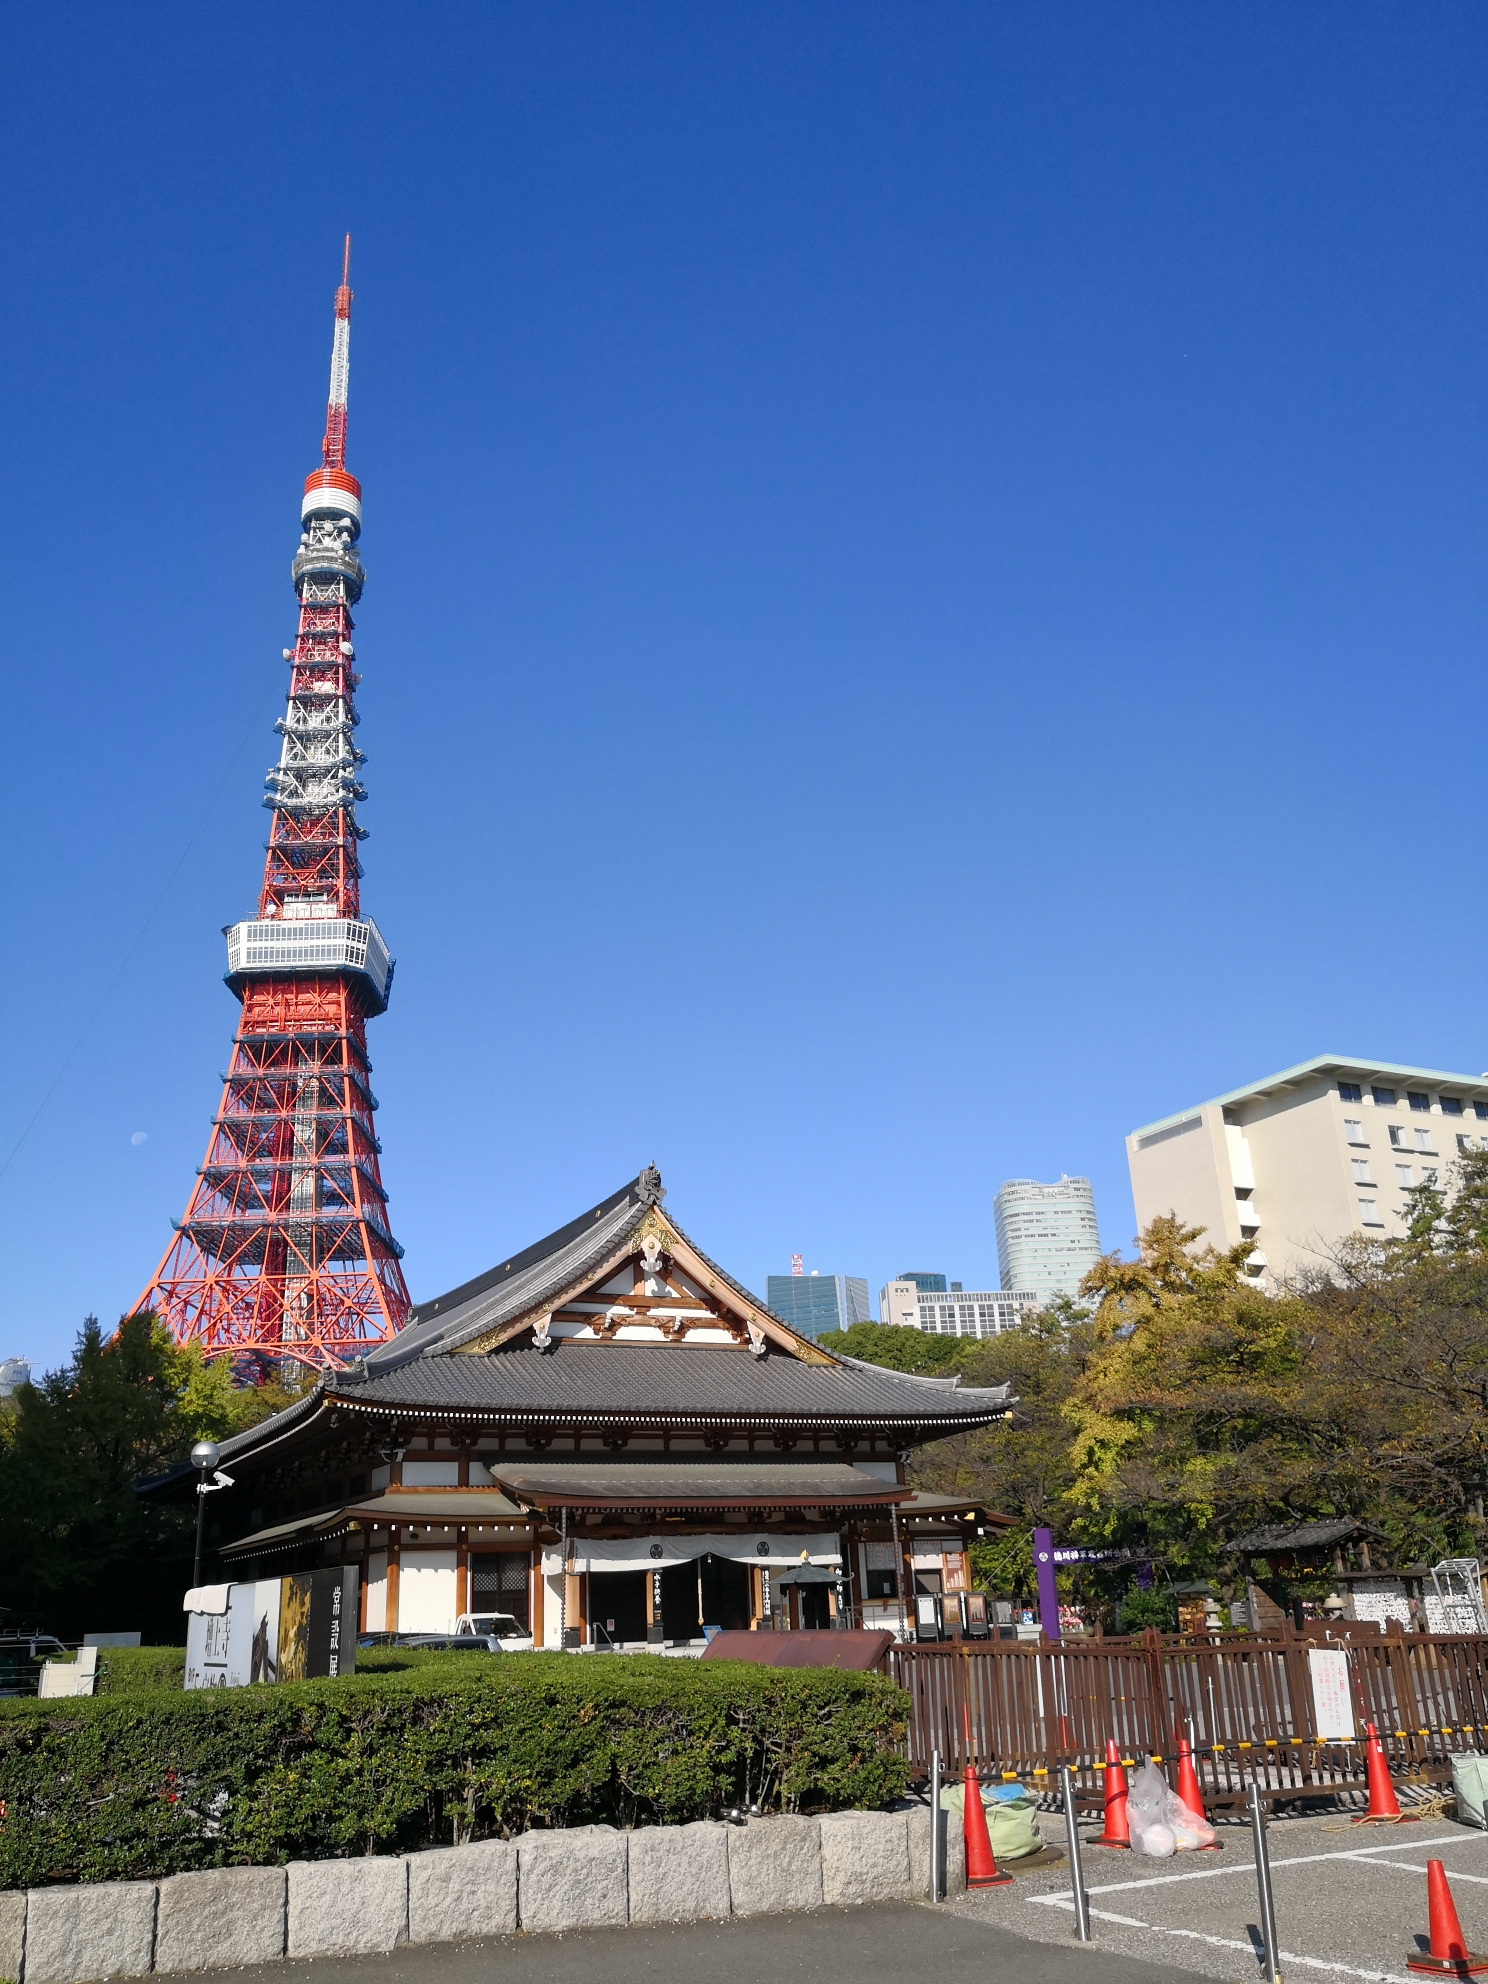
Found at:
<point>285,1252</point>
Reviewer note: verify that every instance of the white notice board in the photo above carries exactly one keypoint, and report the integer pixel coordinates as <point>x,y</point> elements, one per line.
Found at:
<point>1332,1697</point>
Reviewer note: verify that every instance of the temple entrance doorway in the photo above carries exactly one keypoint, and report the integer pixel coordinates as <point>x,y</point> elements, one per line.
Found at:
<point>617,1606</point>
<point>725,1592</point>
<point>679,1602</point>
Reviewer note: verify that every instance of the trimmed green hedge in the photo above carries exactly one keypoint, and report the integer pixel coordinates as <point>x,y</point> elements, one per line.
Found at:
<point>126,1787</point>
<point>127,1670</point>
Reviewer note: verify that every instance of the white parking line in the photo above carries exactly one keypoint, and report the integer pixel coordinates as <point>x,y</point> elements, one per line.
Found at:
<point>1231,1942</point>
<point>1212,1873</point>
<point>1410,1867</point>
<point>1368,1856</point>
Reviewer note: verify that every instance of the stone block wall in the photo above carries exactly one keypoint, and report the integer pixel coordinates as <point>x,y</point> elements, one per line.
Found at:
<point>584,1877</point>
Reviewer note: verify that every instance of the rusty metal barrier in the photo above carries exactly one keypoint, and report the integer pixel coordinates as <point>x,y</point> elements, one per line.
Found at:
<point>1245,1702</point>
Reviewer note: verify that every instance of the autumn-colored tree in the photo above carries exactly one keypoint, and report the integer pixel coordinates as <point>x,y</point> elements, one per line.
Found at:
<point>1176,1405</point>
<point>1196,1414</point>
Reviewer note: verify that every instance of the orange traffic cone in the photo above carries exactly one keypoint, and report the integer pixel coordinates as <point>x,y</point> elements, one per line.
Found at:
<point>1384,1806</point>
<point>1117,1832</point>
<point>1189,1791</point>
<point>1450,1956</point>
<point>981,1868</point>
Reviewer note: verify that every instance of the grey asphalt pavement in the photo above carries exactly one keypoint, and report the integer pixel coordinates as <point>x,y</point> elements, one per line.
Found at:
<point>1350,1900</point>
<point>1350,1904</point>
<point>829,1946</point>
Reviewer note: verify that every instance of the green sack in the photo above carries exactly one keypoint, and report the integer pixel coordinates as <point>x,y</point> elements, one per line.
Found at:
<point>1012,1823</point>
<point>1470,1785</point>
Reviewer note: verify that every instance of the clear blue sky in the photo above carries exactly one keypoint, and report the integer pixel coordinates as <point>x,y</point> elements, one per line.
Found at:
<point>925,604</point>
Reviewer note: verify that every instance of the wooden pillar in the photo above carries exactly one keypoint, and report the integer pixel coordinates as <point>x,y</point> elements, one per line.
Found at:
<point>462,1569</point>
<point>394,1545</point>
<point>573,1606</point>
<point>536,1593</point>
<point>900,1561</point>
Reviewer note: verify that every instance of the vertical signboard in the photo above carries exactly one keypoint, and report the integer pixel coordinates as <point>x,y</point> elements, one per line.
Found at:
<point>1043,1565</point>
<point>208,1638</point>
<point>279,1629</point>
<point>234,1637</point>
<point>1332,1696</point>
<point>317,1624</point>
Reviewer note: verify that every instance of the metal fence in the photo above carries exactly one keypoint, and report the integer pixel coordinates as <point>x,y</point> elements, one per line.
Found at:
<point>1246,1705</point>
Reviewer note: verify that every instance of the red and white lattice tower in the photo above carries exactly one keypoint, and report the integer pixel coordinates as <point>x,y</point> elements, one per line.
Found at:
<point>285,1251</point>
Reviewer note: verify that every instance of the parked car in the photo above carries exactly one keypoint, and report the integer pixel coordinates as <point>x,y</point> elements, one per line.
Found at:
<point>475,1632</point>
<point>508,1632</point>
<point>428,1642</point>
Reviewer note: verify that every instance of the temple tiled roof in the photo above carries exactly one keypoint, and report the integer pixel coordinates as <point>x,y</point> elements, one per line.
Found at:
<point>523,1282</point>
<point>669,1382</point>
<point>430,1366</point>
<point>1301,1536</point>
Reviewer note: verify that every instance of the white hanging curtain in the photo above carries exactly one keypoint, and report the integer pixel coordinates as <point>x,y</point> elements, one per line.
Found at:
<point>646,1553</point>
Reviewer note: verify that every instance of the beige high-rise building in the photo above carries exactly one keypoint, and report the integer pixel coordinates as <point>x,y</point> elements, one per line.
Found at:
<point>1295,1163</point>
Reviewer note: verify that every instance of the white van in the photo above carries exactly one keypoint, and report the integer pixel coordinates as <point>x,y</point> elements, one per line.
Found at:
<point>499,1627</point>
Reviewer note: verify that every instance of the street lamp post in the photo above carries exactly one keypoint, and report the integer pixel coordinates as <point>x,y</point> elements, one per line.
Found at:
<point>204,1458</point>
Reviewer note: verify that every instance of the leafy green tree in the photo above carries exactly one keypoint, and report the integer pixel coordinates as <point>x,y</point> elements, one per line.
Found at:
<point>1019,1466</point>
<point>1402,1334</point>
<point>1175,1405</point>
<point>1195,1412</point>
<point>82,1550</point>
<point>897,1349</point>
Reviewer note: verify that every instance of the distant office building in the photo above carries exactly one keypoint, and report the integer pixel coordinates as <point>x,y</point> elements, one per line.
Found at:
<point>1047,1238</point>
<point>953,1311</point>
<point>1296,1162</point>
<point>14,1372</point>
<point>815,1302</point>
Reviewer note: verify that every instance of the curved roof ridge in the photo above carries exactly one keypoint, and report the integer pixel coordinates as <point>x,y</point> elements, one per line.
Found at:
<point>951,1384</point>
<point>449,1321</point>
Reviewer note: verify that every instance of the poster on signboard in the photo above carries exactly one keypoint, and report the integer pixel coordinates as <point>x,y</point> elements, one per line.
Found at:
<point>1332,1694</point>
<point>278,1629</point>
<point>317,1624</point>
<point>232,1634</point>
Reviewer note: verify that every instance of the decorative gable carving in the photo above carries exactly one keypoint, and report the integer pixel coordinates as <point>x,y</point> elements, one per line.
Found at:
<point>655,1288</point>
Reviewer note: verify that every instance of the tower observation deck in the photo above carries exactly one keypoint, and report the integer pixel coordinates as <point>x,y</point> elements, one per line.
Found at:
<point>285,1250</point>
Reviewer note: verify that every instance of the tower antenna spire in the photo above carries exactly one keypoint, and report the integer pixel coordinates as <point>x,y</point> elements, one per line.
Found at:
<point>285,1251</point>
<point>333,447</point>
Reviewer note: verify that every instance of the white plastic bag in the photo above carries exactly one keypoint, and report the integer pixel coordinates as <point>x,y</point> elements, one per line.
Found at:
<point>1146,1813</point>
<point>1159,1820</point>
<point>1191,1829</point>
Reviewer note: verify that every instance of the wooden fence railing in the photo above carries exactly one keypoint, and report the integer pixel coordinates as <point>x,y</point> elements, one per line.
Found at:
<point>1245,1703</point>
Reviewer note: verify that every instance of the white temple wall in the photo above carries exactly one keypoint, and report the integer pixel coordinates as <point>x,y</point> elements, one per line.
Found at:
<point>426,1591</point>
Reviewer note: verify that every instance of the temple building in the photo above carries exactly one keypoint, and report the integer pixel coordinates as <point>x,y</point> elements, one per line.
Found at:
<point>610,1438</point>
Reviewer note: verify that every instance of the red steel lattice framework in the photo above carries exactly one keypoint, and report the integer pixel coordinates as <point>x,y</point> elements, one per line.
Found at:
<point>285,1251</point>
